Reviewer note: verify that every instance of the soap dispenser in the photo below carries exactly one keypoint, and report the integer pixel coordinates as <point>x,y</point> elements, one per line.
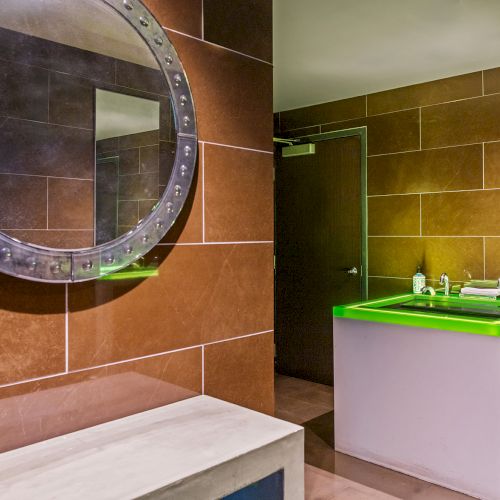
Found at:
<point>418,281</point>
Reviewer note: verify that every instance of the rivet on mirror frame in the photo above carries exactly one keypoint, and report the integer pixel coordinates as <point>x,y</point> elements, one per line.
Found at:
<point>187,150</point>
<point>6,253</point>
<point>186,121</point>
<point>159,224</point>
<point>109,259</point>
<point>170,207</point>
<point>178,190</point>
<point>55,268</point>
<point>127,5</point>
<point>183,99</point>
<point>177,79</point>
<point>145,238</point>
<point>158,40</point>
<point>87,265</point>
<point>184,170</point>
<point>31,263</point>
<point>169,59</point>
<point>129,249</point>
<point>144,21</point>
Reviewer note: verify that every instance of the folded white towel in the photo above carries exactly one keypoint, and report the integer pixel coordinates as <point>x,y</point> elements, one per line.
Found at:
<point>487,292</point>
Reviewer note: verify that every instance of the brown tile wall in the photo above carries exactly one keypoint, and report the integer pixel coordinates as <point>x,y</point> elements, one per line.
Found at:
<point>78,355</point>
<point>433,175</point>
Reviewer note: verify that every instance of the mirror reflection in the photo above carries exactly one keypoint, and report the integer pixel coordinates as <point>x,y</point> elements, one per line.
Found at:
<point>87,138</point>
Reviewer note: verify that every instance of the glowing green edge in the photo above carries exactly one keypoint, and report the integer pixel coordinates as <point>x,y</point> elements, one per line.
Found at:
<point>371,310</point>
<point>128,274</point>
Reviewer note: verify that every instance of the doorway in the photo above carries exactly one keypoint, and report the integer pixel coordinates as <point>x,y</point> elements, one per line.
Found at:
<point>321,248</point>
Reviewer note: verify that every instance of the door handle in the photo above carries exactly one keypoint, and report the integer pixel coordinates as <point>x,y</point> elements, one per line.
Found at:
<point>351,271</point>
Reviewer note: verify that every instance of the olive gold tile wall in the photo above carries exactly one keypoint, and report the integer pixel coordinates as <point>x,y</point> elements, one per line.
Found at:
<point>433,175</point>
<point>77,355</point>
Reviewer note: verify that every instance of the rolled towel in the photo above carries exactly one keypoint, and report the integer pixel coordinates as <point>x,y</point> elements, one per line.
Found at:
<point>486,292</point>
<point>483,284</point>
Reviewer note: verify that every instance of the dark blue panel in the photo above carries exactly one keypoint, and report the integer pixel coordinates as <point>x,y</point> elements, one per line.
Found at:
<point>269,488</point>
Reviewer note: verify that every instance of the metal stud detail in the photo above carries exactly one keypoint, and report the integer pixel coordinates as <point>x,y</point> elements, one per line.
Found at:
<point>170,207</point>
<point>87,266</point>
<point>187,151</point>
<point>183,100</point>
<point>6,253</point>
<point>186,120</point>
<point>127,5</point>
<point>184,170</point>
<point>144,21</point>
<point>55,268</point>
<point>178,190</point>
<point>158,40</point>
<point>177,79</point>
<point>169,59</point>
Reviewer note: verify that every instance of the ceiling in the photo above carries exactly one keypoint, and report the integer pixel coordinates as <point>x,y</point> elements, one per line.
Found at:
<point>326,50</point>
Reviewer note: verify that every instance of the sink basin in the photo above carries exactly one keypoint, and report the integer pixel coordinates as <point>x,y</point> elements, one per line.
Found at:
<point>445,313</point>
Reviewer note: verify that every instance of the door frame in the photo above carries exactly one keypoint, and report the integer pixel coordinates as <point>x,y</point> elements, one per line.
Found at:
<point>360,132</point>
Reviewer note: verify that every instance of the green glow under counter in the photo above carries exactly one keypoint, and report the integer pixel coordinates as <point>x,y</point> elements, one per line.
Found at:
<point>478,316</point>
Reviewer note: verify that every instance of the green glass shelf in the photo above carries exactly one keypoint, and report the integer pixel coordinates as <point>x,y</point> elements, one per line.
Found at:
<point>478,316</point>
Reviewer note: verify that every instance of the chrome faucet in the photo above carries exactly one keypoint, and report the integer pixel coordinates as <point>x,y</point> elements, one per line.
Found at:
<point>444,280</point>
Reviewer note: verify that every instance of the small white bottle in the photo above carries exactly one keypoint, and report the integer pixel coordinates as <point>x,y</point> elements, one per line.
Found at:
<point>418,281</point>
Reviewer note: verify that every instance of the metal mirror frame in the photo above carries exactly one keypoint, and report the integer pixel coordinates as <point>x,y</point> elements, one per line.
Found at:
<point>38,263</point>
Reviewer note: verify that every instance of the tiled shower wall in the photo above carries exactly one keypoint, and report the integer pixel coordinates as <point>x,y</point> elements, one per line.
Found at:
<point>73,356</point>
<point>433,176</point>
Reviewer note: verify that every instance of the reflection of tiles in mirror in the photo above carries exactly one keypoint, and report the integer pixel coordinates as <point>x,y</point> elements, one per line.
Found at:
<point>47,133</point>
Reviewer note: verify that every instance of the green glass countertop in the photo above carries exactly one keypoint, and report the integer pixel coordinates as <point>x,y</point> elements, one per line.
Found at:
<point>477,316</point>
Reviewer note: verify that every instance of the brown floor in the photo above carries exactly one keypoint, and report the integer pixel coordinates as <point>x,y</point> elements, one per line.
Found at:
<point>331,475</point>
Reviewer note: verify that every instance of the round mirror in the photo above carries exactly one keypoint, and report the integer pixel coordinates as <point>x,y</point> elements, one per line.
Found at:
<point>97,137</point>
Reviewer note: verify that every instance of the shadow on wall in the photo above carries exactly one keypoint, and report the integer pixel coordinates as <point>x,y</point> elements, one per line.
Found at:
<point>48,295</point>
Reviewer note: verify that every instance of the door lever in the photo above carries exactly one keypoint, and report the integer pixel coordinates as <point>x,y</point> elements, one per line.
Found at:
<point>351,271</point>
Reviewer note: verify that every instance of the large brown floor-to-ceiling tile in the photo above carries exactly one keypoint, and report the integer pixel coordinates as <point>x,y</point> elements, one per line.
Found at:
<point>135,76</point>
<point>462,122</point>
<point>185,16</point>
<point>492,165</point>
<point>202,294</point>
<point>239,204</point>
<point>241,371</point>
<point>492,260</point>
<point>446,169</point>
<point>397,215</point>
<point>422,94</point>
<point>234,104</point>
<point>336,111</point>
<point>468,213</point>
<point>299,132</point>
<point>460,258</point>
<point>234,24</point>
<point>32,330</point>
<point>384,287</point>
<point>42,409</point>
<point>24,202</point>
<point>54,238</point>
<point>70,204</point>
<point>491,81</point>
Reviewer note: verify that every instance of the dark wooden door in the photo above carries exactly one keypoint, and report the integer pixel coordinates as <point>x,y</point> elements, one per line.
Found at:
<point>318,237</point>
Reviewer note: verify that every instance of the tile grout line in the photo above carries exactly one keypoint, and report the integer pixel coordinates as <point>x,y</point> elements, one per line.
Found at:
<point>434,192</point>
<point>236,147</point>
<point>203,191</point>
<point>66,326</point>
<point>203,369</point>
<point>216,243</point>
<point>420,127</point>
<point>47,176</point>
<point>219,46</point>
<point>139,358</point>
<point>420,196</point>
<point>483,166</point>
<point>432,236</point>
<point>484,257</point>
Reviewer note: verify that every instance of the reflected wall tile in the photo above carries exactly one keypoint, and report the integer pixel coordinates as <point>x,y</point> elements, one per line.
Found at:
<point>30,148</point>
<point>129,161</point>
<point>240,25</point>
<point>23,91</point>
<point>299,132</point>
<point>491,81</point>
<point>139,140</point>
<point>32,332</point>
<point>24,202</point>
<point>492,261</point>
<point>241,371</point>
<point>467,213</point>
<point>138,186</point>
<point>231,108</point>
<point>128,213</point>
<point>397,215</point>
<point>70,204</point>
<point>463,122</point>
<point>492,165</point>
<point>71,101</point>
<point>239,197</point>
<point>55,238</point>
<point>460,258</point>
<point>182,16</point>
<point>385,287</point>
<point>47,408</point>
<point>139,77</point>
<point>444,169</point>
<point>423,94</point>
<point>149,159</point>
<point>336,111</point>
<point>202,294</point>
